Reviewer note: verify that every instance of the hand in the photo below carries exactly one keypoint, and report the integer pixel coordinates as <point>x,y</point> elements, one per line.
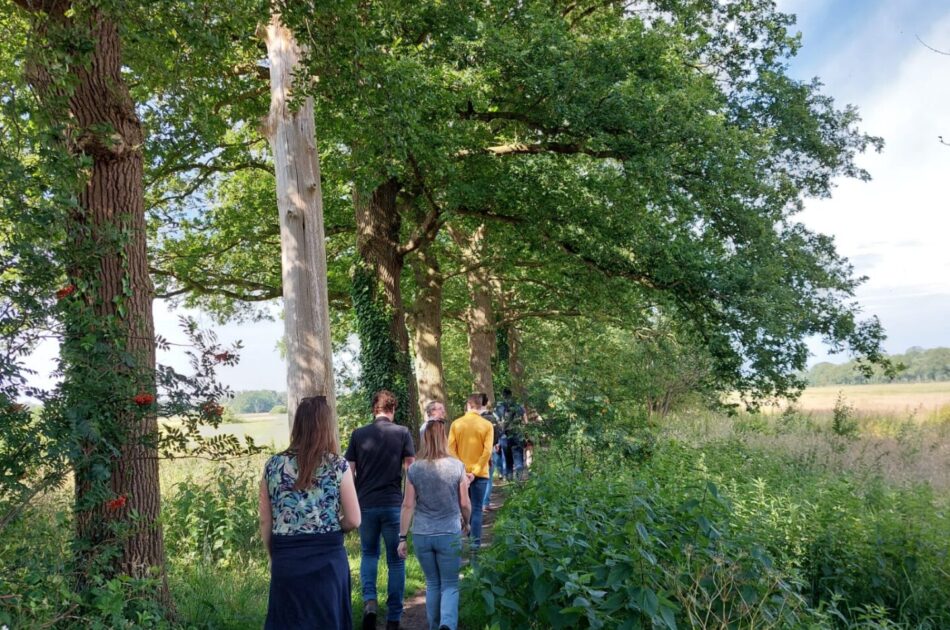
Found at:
<point>470,477</point>
<point>403,549</point>
<point>466,528</point>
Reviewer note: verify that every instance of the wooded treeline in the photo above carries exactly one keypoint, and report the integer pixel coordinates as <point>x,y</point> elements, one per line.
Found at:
<point>917,365</point>
<point>600,198</point>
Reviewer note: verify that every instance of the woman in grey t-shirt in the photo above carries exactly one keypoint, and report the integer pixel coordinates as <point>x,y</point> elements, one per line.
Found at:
<point>437,496</point>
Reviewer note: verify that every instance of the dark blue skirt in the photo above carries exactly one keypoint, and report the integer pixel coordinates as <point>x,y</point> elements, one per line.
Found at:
<point>309,583</point>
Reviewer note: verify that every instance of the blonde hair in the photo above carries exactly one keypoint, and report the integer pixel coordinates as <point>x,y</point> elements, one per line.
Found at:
<point>434,445</point>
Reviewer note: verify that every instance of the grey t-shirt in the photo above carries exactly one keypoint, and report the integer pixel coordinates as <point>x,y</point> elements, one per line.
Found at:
<point>437,496</point>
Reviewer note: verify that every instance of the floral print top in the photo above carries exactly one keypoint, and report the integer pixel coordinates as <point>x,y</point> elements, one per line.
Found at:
<point>315,510</point>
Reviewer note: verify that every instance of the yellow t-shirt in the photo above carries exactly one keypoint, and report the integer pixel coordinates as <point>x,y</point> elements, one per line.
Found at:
<point>470,440</point>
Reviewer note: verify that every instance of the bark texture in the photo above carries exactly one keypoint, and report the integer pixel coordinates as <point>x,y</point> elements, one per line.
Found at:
<point>378,224</point>
<point>479,317</point>
<point>110,265</point>
<point>292,137</point>
<point>426,324</point>
<point>515,366</point>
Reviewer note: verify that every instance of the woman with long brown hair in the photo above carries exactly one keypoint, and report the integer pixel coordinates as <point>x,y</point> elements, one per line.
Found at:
<point>307,501</point>
<point>437,505</point>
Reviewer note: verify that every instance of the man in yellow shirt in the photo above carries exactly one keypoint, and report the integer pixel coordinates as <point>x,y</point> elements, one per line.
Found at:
<point>470,440</point>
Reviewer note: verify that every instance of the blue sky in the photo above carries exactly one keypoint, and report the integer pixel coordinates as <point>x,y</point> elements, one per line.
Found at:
<point>894,229</point>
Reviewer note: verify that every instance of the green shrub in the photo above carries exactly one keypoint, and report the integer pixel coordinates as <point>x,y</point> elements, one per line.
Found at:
<point>278,409</point>
<point>38,581</point>
<point>856,542</point>
<point>577,548</point>
<point>713,537</point>
<point>214,519</point>
<point>752,423</point>
<point>843,422</point>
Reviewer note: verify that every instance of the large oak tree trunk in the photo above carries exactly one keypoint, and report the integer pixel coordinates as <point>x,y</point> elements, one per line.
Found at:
<point>109,348</point>
<point>426,323</point>
<point>480,320</point>
<point>378,224</point>
<point>515,366</point>
<point>303,246</point>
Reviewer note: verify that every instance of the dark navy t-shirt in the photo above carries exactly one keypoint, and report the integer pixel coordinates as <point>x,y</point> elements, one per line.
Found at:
<point>378,450</point>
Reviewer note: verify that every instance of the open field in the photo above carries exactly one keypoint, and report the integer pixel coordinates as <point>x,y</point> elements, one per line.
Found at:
<point>266,429</point>
<point>894,397</point>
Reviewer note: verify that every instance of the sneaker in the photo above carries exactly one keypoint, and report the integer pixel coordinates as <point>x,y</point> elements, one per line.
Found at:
<point>444,628</point>
<point>392,625</point>
<point>369,615</point>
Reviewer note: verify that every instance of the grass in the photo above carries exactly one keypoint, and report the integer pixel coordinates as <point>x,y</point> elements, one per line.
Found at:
<point>234,595</point>
<point>905,446</point>
<point>231,592</point>
<point>893,397</point>
<point>905,449</point>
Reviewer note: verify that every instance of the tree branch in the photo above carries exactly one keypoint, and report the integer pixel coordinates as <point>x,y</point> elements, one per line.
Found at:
<point>544,314</point>
<point>926,45</point>
<point>45,6</point>
<point>518,148</point>
<point>426,232</point>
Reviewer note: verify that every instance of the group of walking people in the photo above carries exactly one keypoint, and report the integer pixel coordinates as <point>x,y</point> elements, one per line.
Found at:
<point>310,496</point>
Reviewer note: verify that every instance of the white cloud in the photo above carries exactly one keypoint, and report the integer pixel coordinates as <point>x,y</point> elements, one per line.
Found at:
<point>894,229</point>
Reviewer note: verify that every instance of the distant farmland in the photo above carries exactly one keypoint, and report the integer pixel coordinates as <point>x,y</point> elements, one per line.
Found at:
<point>894,397</point>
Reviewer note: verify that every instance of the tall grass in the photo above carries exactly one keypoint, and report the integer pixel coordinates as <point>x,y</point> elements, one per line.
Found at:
<point>902,449</point>
<point>748,522</point>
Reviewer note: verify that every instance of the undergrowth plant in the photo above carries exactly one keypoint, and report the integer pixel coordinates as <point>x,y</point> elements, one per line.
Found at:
<point>718,537</point>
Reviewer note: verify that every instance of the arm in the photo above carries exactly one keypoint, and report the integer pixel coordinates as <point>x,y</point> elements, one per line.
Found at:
<point>351,506</point>
<point>352,467</point>
<point>408,451</point>
<point>405,518</point>
<point>465,504</point>
<point>265,515</point>
<point>482,465</point>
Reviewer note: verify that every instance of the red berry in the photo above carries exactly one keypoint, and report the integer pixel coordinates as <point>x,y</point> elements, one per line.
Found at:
<point>66,291</point>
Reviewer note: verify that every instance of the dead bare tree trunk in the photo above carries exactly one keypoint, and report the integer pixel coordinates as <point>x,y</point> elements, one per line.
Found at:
<point>293,142</point>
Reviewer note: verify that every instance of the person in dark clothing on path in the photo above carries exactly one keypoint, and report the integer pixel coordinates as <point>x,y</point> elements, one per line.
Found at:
<point>511,416</point>
<point>378,453</point>
<point>487,413</point>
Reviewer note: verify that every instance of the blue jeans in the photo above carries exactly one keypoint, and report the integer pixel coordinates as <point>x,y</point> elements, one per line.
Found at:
<point>440,558</point>
<point>476,493</point>
<point>491,477</point>
<point>498,461</point>
<point>382,521</point>
<point>517,454</point>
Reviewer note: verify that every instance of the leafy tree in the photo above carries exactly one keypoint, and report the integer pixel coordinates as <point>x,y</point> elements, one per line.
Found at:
<point>667,148</point>
<point>915,365</point>
<point>664,152</point>
<point>256,401</point>
<point>74,268</point>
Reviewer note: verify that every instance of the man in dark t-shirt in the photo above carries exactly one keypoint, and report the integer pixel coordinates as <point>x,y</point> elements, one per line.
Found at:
<point>378,453</point>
